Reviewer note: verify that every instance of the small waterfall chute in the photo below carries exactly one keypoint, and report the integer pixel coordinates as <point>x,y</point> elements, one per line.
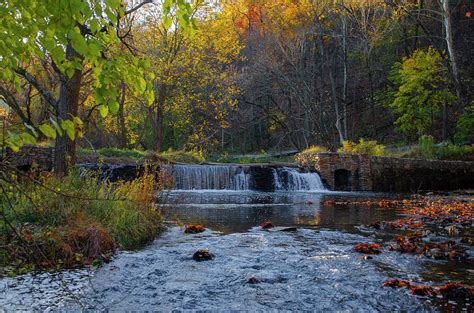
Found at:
<point>291,179</point>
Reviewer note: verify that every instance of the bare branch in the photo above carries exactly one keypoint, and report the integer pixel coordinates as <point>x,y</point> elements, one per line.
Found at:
<point>130,11</point>
<point>43,91</point>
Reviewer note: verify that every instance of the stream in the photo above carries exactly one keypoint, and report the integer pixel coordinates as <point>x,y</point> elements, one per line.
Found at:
<point>312,268</point>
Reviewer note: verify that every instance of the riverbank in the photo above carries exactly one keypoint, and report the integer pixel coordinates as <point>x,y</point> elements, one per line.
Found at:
<point>50,223</point>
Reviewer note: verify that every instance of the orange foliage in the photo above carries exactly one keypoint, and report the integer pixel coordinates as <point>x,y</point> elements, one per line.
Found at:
<point>194,229</point>
<point>368,248</point>
<point>450,292</point>
<point>395,283</point>
<point>267,224</point>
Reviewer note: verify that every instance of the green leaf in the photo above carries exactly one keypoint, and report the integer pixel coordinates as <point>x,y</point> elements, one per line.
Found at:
<point>78,126</point>
<point>114,107</point>
<point>104,110</point>
<point>28,139</point>
<point>167,22</point>
<point>69,72</point>
<point>68,126</point>
<point>48,131</point>
<point>14,141</point>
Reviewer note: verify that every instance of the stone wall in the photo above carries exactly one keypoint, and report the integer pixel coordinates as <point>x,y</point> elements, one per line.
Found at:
<point>30,156</point>
<point>410,175</point>
<point>364,173</point>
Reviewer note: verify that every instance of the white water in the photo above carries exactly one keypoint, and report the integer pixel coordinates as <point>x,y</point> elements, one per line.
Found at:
<point>291,179</point>
<point>239,178</point>
<point>210,177</point>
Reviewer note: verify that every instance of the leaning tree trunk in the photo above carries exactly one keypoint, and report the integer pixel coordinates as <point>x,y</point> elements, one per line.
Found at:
<point>65,148</point>
<point>451,52</point>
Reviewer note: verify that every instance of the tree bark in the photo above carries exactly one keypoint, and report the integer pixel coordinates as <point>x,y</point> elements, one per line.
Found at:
<point>345,74</point>
<point>121,120</point>
<point>65,148</point>
<point>159,117</point>
<point>453,63</point>
<point>336,108</point>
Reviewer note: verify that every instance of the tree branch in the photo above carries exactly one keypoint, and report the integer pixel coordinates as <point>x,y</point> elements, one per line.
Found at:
<point>43,91</point>
<point>130,11</point>
<point>13,104</point>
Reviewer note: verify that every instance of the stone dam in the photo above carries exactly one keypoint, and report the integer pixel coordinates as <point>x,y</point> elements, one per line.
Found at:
<point>312,172</point>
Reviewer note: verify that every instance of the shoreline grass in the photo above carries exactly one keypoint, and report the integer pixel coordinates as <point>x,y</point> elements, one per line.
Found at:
<point>73,221</point>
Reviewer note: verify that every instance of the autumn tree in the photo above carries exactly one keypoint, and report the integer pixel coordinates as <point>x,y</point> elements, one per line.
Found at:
<point>71,36</point>
<point>421,91</point>
<point>192,74</point>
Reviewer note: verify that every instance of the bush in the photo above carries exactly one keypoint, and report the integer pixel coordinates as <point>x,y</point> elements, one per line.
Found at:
<point>465,127</point>
<point>368,147</point>
<point>315,149</point>
<point>75,220</point>
<point>426,147</point>
<point>449,151</point>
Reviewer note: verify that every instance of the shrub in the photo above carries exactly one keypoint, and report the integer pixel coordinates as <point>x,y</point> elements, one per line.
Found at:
<point>449,151</point>
<point>426,147</point>
<point>315,149</point>
<point>368,147</point>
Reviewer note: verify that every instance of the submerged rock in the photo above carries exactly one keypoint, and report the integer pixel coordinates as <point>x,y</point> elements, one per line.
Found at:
<point>456,292</point>
<point>289,229</point>
<point>450,292</point>
<point>202,255</point>
<point>424,291</point>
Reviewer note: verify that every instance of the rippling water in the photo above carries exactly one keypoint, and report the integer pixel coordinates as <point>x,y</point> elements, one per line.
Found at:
<point>313,268</point>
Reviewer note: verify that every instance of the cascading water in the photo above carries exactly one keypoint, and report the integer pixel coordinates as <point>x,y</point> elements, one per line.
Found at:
<point>287,179</point>
<point>210,177</point>
<point>241,178</point>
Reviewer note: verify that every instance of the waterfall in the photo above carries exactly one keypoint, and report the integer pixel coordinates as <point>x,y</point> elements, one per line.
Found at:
<point>292,179</point>
<point>240,178</point>
<point>210,177</point>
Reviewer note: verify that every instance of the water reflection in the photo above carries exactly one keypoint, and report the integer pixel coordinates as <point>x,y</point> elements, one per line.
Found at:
<point>239,211</point>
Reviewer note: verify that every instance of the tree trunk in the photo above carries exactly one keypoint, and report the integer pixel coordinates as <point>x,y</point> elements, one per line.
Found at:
<point>159,117</point>
<point>336,108</point>
<point>121,120</point>
<point>445,132</point>
<point>345,63</point>
<point>65,148</point>
<point>371,96</point>
<point>453,64</point>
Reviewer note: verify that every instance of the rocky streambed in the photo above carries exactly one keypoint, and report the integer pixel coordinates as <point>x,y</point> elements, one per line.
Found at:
<point>312,267</point>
